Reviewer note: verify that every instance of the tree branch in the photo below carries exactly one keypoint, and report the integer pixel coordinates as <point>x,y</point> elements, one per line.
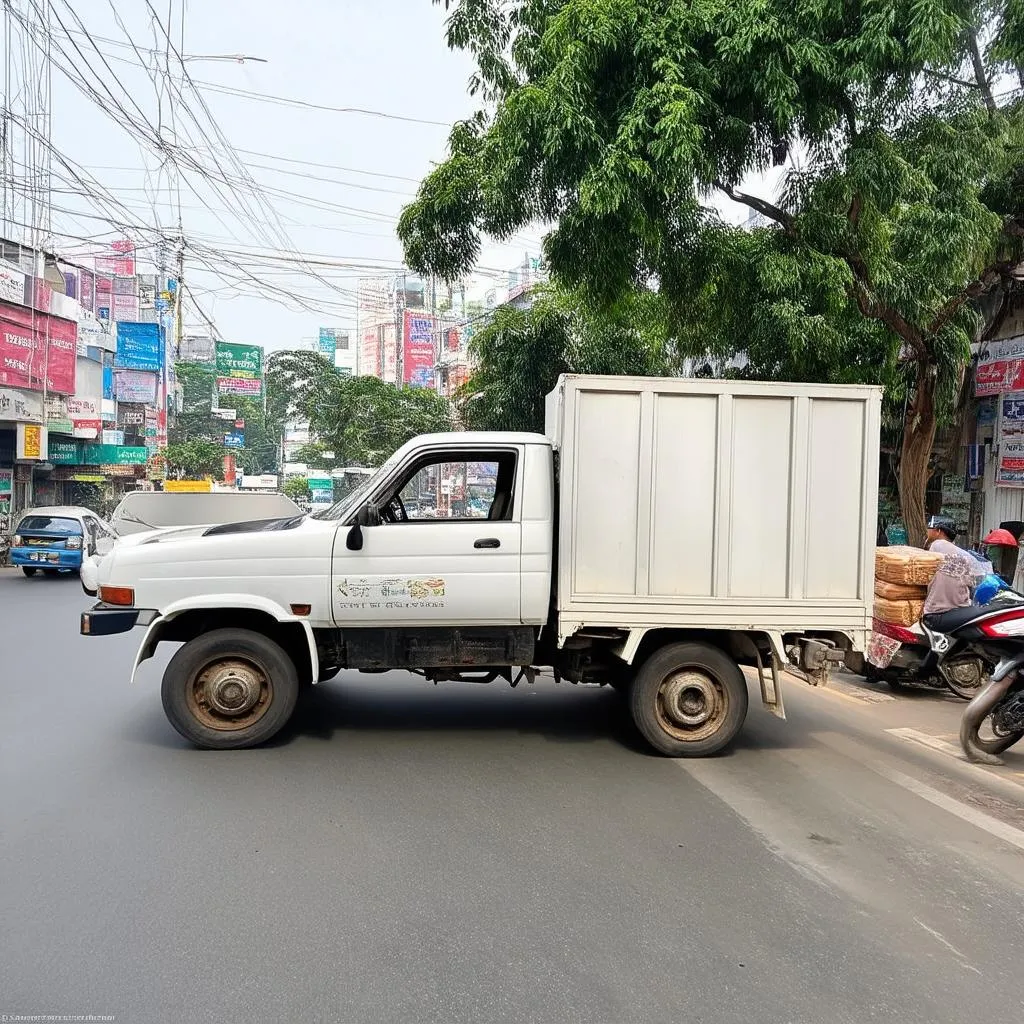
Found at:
<point>979,70</point>
<point>942,76</point>
<point>988,279</point>
<point>770,210</point>
<point>871,308</point>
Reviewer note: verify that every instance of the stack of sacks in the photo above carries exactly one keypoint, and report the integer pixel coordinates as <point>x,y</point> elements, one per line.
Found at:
<point>902,575</point>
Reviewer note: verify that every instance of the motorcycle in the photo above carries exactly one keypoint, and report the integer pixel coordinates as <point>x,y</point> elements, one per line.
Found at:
<point>1000,704</point>
<point>917,656</point>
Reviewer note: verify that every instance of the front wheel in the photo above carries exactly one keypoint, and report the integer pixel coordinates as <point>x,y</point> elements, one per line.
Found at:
<point>689,700</point>
<point>229,688</point>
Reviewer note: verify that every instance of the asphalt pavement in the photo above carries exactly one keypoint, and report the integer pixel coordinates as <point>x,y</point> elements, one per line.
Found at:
<point>462,853</point>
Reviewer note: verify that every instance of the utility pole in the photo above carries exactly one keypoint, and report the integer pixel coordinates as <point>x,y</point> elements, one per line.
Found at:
<point>179,298</point>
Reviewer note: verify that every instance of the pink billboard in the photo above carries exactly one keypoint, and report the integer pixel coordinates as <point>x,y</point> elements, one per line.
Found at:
<point>369,354</point>
<point>37,347</point>
<point>418,350</point>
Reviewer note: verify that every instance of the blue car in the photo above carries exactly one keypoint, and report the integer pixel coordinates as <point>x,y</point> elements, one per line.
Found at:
<point>55,539</point>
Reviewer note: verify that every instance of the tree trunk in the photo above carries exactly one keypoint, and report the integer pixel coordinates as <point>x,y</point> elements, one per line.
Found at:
<point>915,455</point>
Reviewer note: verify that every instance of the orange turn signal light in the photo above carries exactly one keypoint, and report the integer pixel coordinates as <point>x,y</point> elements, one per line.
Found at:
<point>301,609</point>
<point>117,595</point>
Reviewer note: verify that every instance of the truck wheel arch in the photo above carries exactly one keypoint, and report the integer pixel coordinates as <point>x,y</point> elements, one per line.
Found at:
<point>183,621</point>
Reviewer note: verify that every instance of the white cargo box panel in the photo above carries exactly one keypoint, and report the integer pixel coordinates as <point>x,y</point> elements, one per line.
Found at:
<point>716,504</point>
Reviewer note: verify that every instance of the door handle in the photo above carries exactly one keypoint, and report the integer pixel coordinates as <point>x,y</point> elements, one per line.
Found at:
<point>487,542</point>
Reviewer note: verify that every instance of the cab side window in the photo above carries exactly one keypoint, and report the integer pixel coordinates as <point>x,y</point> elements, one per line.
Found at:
<point>456,487</point>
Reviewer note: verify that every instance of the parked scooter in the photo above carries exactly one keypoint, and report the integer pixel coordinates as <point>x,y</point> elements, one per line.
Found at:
<point>917,662</point>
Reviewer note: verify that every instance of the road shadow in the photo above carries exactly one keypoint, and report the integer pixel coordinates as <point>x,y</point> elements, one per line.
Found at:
<point>565,714</point>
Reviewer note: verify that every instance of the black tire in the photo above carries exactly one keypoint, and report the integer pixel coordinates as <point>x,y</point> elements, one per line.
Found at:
<point>260,682</point>
<point>29,570</point>
<point>717,690</point>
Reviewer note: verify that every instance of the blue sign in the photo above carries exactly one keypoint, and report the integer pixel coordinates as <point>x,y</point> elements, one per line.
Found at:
<point>160,305</point>
<point>103,312</point>
<point>108,382</point>
<point>139,346</point>
<point>234,440</point>
<point>327,343</point>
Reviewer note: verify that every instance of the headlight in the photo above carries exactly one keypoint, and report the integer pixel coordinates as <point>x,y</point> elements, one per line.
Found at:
<point>74,543</point>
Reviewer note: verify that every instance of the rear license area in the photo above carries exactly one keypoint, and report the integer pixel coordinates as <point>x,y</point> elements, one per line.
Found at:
<point>43,542</point>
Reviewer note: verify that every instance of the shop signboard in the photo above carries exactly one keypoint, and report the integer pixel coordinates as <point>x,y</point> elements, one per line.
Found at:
<point>234,440</point>
<point>114,437</point>
<point>135,386</point>
<point>12,284</point>
<point>6,483</point>
<point>113,455</point>
<point>15,405</point>
<point>1000,367</point>
<point>1010,464</point>
<point>37,349</point>
<point>64,453</point>
<point>188,486</point>
<point>418,350</point>
<point>129,415</point>
<point>140,346</point>
<point>30,442</point>
<point>262,482</point>
<point>252,388</point>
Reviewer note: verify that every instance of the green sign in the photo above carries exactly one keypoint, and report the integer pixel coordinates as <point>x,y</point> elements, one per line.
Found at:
<point>64,453</point>
<point>244,361</point>
<point>319,484</point>
<point>113,455</point>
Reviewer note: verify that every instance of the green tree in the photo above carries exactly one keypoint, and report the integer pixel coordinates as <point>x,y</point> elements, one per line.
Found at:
<point>195,459</point>
<point>519,353</point>
<point>893,239</point>
<point>297,488</point>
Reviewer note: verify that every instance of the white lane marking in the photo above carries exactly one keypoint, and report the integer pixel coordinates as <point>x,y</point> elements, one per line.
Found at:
<point>860,697</point>
<point>935,742</point>
<point>993,826</point>
<point>953,750</point>
<point>939,937</point>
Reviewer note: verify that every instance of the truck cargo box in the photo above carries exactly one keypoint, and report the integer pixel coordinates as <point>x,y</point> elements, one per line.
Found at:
<point>715,504</point>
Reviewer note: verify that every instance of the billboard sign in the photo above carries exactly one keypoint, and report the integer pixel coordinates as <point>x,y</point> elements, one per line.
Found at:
<point>418,350</point>
<point>136,386</point>
<point>37,349</point>
<point>1000,367</point>
<point>139,346</point>
<point>243,361</point>
<point>234,440</point>
<point>240,386</point>
<point>12,285</point>
<point>327,342</point>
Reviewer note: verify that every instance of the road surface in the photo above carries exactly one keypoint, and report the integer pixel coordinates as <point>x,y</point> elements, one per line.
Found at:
<point>464,853</point>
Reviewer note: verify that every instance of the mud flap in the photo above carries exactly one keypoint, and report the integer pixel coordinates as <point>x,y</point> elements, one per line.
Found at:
<point>771,686</point>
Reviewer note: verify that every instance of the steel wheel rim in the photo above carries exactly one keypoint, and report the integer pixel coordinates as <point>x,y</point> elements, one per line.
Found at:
<point>691,705</point>
<point>229,694</point>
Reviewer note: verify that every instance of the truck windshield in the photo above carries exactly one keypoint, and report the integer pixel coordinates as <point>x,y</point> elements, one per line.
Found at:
<point>347,505</point>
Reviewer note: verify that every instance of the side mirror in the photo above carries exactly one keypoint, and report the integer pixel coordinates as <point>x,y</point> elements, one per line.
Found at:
<point>368,515</point>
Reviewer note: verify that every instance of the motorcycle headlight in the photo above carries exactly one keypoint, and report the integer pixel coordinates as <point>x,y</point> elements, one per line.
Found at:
<point>73,543</point>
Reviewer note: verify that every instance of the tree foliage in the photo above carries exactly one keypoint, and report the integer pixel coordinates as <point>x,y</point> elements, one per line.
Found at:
<point>194,460</point>
<point>893,238</point>
<point>297,488</point>
<point>361,419</point>
<point>519,353</point>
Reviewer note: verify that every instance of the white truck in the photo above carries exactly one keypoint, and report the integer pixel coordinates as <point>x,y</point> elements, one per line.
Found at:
<point>662,533</point>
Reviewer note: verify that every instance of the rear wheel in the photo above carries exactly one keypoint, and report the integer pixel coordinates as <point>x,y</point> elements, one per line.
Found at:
<point>689,700</point>
<point>964,676</point>
<point>28,570</point>
<point>229,688</point>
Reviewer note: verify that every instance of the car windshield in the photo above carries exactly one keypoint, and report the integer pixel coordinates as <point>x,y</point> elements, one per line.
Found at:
<point>50,524</point>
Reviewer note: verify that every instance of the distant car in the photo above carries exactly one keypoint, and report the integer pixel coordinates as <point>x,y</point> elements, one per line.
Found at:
<point>56,538</point>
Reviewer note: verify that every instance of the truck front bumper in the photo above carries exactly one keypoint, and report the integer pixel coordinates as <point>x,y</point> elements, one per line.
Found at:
<point>104,619</point>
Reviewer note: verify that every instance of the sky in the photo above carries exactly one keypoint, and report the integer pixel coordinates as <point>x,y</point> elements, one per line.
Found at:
<point>312,194</point>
